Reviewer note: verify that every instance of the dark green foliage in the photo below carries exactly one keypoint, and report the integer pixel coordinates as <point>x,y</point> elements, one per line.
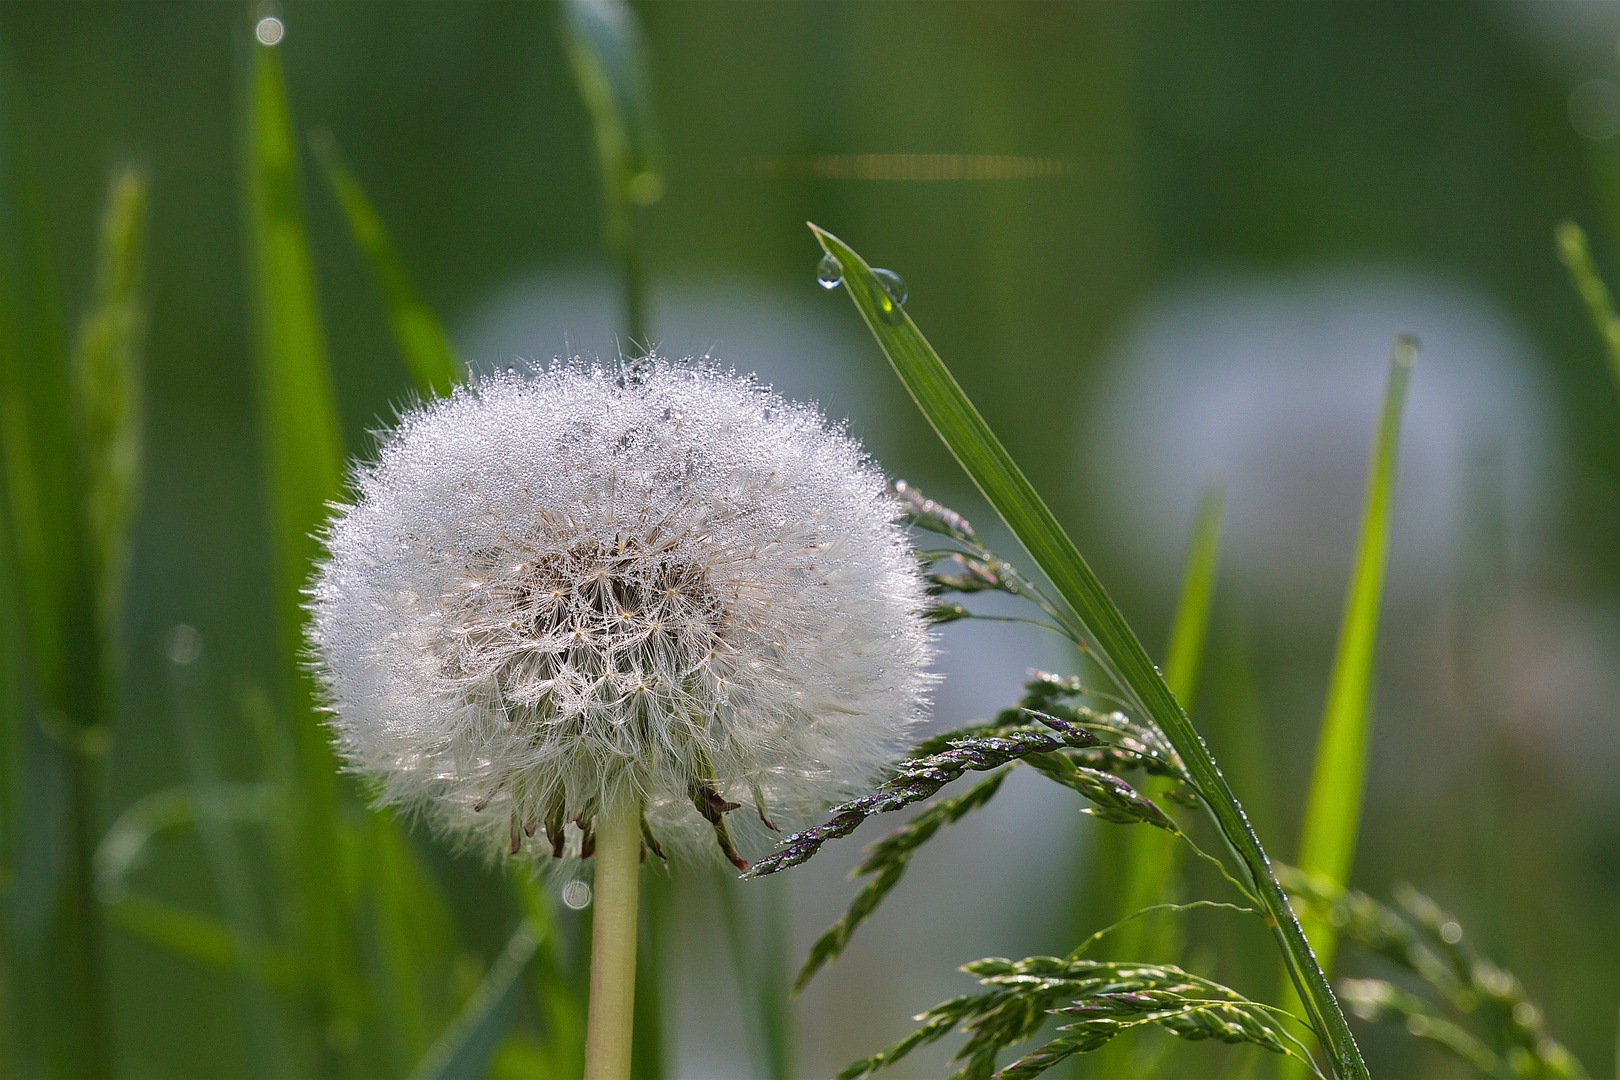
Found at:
<point>1419,936</point>
<point>1109,998</point>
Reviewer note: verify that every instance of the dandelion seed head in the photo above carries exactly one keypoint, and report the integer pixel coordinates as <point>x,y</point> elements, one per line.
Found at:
<point>556,589</point>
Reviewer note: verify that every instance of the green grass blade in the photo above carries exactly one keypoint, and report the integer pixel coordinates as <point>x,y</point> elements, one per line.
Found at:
<point>417,331</point>
<point>1111,639</point>
<point>415,941</point>
<point>1152,858</point>
<point>465,1049</point>
<point>1185,657</point>
<point>1576,254</point>
<point>1333,808</point>
<point>303,469</point>
<point>604,45</point>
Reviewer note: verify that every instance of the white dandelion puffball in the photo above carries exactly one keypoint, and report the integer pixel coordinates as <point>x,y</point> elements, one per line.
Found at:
<point>560,589</point>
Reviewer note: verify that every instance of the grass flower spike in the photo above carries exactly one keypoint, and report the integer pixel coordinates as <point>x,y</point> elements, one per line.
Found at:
<point>559,591</point>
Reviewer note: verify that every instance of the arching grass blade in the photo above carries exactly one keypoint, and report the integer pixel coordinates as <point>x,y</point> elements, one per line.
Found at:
<point>1093,617</point>
<point>417,331</point>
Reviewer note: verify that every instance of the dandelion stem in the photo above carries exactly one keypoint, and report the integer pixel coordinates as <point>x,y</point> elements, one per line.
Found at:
<point>613,942</point>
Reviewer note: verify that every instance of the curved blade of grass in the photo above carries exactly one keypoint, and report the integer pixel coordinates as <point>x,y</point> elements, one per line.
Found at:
<point>464,1051</point>
<point>992,469</point>
<point>603,41</point>
<point>417,331</point>
<point>303,469</point>
<point>1333,808</point>
<point>1576,254</point>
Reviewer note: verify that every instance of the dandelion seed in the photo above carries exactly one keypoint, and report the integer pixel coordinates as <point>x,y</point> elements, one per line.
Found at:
<point>557,592</point>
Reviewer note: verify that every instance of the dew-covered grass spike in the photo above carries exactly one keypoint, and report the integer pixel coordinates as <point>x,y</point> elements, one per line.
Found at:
<point>919,778</point>
<point>1114,800</point>
<point>1422,937</point>
<point>1108,998</point>
<point>919,510</point>
<point>888,859</point>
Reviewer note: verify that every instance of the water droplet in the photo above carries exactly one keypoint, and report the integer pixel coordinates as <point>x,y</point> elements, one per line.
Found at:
<point>829,274</point>
<point>892,283</point>
<point>894,291</point>
<point>269,30</point>
<point>576,894</point>
<point>185,644</point>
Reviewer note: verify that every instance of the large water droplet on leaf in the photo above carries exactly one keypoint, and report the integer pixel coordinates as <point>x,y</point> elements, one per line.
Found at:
<point>829,274</point>
<point>894,290</point>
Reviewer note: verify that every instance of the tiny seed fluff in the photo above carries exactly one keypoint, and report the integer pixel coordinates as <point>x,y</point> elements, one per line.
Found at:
<point>555,589</point>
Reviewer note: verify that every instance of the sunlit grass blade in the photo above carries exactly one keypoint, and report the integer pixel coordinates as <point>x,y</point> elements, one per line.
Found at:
<point>1333,807</point>
<point>303,469</point>
<point>603,40</point>
<point>465,1049</point>
<point>1110,638</point>
<point>108,398</point>
<point>1576,254</point>
<point>417,331</point>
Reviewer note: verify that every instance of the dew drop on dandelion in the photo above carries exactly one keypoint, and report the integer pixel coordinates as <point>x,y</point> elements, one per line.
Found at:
<point>829,274</point>
<point>576,894</point>
<point>269,30</point>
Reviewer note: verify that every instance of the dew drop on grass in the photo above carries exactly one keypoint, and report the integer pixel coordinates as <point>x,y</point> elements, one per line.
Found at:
<point>894,287</point>
<point>576,894</point>
<point>829,275</point>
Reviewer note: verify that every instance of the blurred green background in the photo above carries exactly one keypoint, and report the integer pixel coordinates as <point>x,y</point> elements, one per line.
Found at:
<point>1285,186</point>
